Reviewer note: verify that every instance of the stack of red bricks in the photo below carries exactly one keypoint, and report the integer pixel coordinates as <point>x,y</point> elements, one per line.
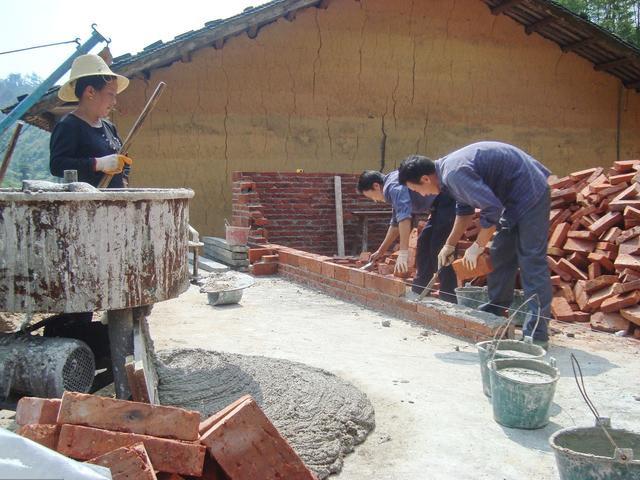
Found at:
<point>594,247</point>
<point>142,441</point>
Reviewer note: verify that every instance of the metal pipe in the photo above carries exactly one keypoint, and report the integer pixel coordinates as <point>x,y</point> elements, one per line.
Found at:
<point>34,96</point>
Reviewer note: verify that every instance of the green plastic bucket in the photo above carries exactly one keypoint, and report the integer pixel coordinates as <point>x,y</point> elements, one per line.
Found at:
<point>472,297</point>
<point>506,349</point>
<point>586,454</point>
<point>522,391</point>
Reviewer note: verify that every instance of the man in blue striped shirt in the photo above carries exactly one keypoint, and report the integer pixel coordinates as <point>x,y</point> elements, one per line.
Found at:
<point>405,203</point>
<point>510,189</point>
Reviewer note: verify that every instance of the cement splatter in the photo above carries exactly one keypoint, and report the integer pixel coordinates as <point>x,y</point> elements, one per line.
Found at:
<point>322,416</point>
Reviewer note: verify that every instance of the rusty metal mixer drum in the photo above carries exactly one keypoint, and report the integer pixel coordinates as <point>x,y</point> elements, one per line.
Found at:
<point>87,251</point>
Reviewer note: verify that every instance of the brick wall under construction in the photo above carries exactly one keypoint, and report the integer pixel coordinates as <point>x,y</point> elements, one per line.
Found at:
<point>298,210</point>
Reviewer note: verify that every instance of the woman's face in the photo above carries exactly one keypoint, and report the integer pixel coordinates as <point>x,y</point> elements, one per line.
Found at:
<point>101,102</point>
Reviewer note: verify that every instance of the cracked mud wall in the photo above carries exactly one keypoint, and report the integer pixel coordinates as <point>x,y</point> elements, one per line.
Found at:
<point>362,84</point>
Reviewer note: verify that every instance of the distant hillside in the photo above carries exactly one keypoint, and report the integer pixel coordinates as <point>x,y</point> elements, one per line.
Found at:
<point>30,159</point>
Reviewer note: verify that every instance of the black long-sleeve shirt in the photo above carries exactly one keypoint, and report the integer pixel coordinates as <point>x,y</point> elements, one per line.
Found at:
<point>75,144</point>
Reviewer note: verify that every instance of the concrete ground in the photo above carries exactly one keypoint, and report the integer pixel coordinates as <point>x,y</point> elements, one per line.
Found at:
<point>432,419</point>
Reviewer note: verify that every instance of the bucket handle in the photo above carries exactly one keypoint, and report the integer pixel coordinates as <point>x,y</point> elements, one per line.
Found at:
<point>494,342</point>
<point>620,454</point>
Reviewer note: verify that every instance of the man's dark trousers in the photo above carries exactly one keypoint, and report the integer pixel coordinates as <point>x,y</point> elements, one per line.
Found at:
<point>430,242</point>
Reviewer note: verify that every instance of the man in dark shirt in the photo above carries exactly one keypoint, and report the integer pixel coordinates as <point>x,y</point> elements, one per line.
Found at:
<point>405,203</point>
<point>510,188</point>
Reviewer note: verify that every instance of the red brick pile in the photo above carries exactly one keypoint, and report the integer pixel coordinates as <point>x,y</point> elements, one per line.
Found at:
<point>136,440</point>
<point>594,247</point>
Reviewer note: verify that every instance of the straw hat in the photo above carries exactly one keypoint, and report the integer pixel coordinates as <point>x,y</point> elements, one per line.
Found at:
<point>87,66</point>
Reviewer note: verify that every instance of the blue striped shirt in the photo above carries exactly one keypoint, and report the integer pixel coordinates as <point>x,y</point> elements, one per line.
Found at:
<point>403,201</point>
<point>497,178</point>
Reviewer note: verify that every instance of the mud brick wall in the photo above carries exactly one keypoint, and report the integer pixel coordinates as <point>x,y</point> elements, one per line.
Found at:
<point>298,210</point>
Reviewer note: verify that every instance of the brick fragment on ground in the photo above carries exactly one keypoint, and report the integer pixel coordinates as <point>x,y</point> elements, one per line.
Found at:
<point>124,416</point>
<point>561,309</point>
<point>264,268</point>
<point>247,445</point>
<point>172,456</point>
<point>608,322</point>
<point>32,410</point>
<point>131,462</point>
<point>46,435</point>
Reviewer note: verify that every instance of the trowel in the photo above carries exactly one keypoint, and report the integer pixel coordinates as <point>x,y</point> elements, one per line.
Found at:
<point>367,266</point>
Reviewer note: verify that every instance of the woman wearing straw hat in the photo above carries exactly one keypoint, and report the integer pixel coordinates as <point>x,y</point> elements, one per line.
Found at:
<point>84,140</point>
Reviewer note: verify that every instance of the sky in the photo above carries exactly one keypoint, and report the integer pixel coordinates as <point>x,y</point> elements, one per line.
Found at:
<point>131,25</point>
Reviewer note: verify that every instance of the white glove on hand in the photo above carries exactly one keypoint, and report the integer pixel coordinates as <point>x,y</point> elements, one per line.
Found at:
<point>445,257</point>
<point>402,262</point>
<point>470,259</point>
<point>111,164</point>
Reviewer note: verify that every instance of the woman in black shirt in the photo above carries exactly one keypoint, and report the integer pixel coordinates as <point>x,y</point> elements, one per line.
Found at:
<point>84,140</point>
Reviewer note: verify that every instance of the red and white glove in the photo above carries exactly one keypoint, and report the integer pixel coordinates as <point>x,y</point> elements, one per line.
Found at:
<point>111,164</point>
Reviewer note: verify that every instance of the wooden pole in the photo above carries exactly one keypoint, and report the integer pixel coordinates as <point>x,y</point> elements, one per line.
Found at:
<point>12,145</point>
<point>106,179</point>
<point>339,221</point>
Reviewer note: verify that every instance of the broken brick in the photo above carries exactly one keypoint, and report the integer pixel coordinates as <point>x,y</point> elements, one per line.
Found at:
<point>579,245</point>
<point>559,235</point>
<point>602,260</point>
<point>216,417</point>
<point>32,410</point>
<point>608,322</point>
<point>130,462</point>
<point>255,254</point>
<point>570,269</point>
<point>264,268</point>
<point>626,287</point>
<point>126,416</point>
<point>617,302</point>
<point>247,445</point>
<point>600,296</point>
<point>600,283</point>
<point>46,435</point>
<point>632,314</point>
<point>561,310</point>
<point>172,456</point>
<point>611,219</point>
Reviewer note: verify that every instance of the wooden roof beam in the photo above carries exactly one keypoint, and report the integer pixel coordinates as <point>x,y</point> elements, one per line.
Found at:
<point>570,47</point>
<point>537,25</point>
<point>505,5</point>
<point>612,64</point>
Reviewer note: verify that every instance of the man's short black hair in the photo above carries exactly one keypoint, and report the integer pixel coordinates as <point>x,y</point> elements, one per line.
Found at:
<point>414,167</point>
<point>368,178</point>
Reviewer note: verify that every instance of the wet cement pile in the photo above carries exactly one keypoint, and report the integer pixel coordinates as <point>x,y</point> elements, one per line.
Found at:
<point>321,415</point>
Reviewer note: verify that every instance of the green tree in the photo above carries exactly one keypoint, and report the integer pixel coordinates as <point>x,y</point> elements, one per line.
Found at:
<point>30,158</point>
<point>621,17</point>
